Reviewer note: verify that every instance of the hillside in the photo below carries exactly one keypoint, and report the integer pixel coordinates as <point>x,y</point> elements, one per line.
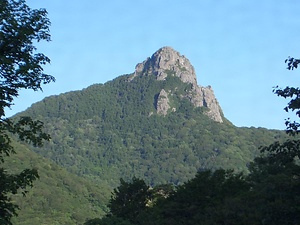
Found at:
<point>157,124</point>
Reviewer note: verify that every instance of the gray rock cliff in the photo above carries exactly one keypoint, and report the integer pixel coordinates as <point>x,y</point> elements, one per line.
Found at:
<point>162,105</point>
<point>165,61</point>
<point>168,62</point>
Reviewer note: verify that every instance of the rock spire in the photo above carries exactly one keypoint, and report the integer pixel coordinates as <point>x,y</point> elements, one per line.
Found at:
<point>165,61</point>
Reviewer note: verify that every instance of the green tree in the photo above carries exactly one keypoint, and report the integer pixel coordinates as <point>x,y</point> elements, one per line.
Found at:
<point>275,188</point>
<point>204,199</point>
<point>288,151</point>
<point>129,199</point>
<point>127,202</point>
<point>20,68</point>
<point>293,93</point>
<point>274,176</point>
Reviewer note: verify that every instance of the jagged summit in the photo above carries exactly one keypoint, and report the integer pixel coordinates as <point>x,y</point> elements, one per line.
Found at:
<point>168,62</point>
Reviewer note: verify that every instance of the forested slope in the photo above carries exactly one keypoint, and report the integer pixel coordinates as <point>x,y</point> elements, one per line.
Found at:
<point>109,131</point>
<point>57,197</point>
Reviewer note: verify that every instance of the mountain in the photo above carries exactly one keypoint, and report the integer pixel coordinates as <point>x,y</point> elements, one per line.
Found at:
<point>157,124</point>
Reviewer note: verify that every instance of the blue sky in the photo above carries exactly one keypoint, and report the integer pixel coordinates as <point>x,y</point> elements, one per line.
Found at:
<point>237,47</point>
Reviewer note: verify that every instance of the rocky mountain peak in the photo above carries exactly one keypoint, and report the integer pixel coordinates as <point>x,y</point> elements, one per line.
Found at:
<point>168,62</point>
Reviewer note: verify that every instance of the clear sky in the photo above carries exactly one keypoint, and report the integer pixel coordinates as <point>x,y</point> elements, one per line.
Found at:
<point>238,47</point>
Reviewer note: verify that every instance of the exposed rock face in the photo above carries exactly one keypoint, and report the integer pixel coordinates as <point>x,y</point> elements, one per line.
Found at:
<point>168,62</point>
<point>204,96</point>
<point>162,105</point>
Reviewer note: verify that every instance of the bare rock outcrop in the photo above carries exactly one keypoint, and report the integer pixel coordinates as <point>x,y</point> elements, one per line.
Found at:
<point>162,105</point>
<point>168,62</point>
<point>204,96</point>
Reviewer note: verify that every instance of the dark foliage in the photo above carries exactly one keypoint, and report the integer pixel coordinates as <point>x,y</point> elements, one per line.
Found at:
<point>129,199</point>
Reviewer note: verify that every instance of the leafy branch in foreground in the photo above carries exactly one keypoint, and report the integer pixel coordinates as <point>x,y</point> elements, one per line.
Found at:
<point>292,93</point>
<point>292,63</point>
<point>20,68</point>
